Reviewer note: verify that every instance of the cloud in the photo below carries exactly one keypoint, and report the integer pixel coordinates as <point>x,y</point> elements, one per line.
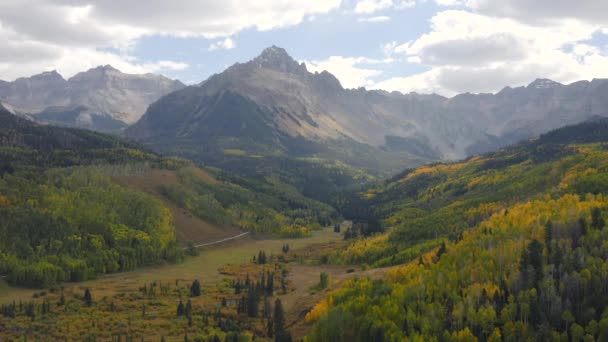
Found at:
<point>476,50</point>
<point>348,70</point>
<point>421,83</point>
<point>543,12</point>
<point>225,44</point>
<point>372,6</point>
<point>58,34</point>
<point>378,19</point>
<point>451,2</point>
<point>389,48</point>
<point>472,52</point>
<point>165,65</point>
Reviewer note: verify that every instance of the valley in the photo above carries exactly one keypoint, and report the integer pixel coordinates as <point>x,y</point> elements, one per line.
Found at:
<point>214,267</point>
<point>270,203</point>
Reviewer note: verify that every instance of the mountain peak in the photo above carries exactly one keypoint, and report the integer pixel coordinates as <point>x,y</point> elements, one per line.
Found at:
<point>106,68</point>
<point>543,83</point>
<point>48,75</point>
<point>275,52</point>
<point>277,58</point>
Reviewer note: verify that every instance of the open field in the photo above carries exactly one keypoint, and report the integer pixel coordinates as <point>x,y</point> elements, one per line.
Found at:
<point>122,289</point>
<point>204,266</point>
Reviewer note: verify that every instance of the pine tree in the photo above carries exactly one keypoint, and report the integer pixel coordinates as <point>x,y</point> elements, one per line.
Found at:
<point>442,249</point>
<point>597,222</point>
<point>269,329</point>
<point>189,312</point>
<point>252,302</point>
<point>180,309</point>
<point>270,284</point>
<point>548,235</point>
<point>88,298</point>
<point>278,317</point>
<point>237,287</point>
<point>195,288</point>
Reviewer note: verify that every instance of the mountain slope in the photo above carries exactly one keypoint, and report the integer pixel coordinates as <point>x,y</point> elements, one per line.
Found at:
<point>507,246</point>
<point>272,106</point>
<point>443,200</point>
<point>102,98</point>
<point>76,204</point>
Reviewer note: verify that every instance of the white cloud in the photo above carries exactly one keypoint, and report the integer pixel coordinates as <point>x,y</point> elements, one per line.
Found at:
<point>389,48</point>
<point>372,6</point>
<point>545,11</point>
<point>478,53</point>
<point>74,60</point>
<point>58,34</point>
<point>451,2</point>
<point>163,65</point>
<point>348,70</point>
<point>225,44</point>
<point>401,4</point>
<point>472,50</point>
<point>421,83</point>
<point>378,19</point>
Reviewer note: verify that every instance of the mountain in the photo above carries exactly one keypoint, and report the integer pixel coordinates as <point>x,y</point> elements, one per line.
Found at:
<point>505,246</point>
<point>273,106</point>
<point>270,106</point>
<point>102,98</point>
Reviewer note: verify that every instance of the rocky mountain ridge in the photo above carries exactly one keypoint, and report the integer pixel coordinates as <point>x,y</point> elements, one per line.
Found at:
<point>102,98</point>
<point>272,104</point>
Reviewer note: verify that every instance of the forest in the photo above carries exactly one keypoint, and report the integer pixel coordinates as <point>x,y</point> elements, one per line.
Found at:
<point>508,246</point>
<point>63,218</point>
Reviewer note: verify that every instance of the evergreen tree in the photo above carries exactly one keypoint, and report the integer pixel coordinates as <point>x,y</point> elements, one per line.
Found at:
<point>323,280</point>
<point>548,235</point>
<point>88,298</point>
<point>269,328</point>
<point>253,302</point>
<point>181,310</point>
<point>597,221</point>
<point>278,317</point>
<point>442,249</point>
<point>195,288</point>
<point>189,312</point>
<point>270,284</point>
<point>237,287</point>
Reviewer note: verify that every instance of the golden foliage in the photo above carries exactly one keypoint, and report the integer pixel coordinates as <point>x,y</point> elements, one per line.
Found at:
<point>434,170</point>
<point>320,309</point>
<point>4,202</point>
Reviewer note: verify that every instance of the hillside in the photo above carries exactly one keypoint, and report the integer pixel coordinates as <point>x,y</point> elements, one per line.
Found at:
<point>77,204</point>
<point>508,245</point>
<point>102,98</point>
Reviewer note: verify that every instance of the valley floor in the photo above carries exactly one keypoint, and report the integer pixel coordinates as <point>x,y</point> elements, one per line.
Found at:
<point>213,267</point>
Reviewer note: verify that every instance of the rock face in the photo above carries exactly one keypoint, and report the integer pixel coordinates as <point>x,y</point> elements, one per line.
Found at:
<point>272,104</point>
<point>102,98</point>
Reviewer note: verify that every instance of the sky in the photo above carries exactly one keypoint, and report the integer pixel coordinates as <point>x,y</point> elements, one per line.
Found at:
<point>441,46</point>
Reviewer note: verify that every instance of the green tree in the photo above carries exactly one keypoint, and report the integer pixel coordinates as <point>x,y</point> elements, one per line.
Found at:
<point>195,288</point>
<point>597,221</point>
<point>88,298</point>
<point>323,280</point>
<point>181,310</point>
<point>189,312</point>
<point>278,322</point>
